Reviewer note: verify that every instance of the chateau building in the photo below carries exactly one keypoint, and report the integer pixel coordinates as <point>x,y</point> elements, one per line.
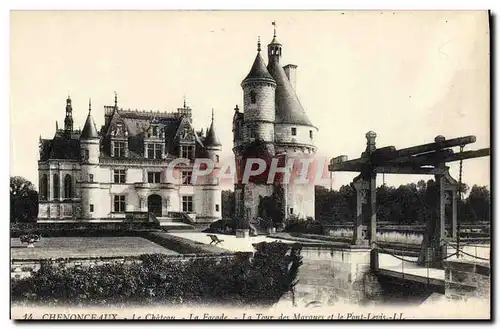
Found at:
<point>98,175</point>
<point>273,124</point>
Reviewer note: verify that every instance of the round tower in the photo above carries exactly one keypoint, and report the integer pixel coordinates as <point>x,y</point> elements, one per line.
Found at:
<point>208,186</point>
<point>90,150</point>
<point>258,102</point>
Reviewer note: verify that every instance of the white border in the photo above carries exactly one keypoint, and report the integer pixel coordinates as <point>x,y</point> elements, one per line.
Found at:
<point>7,5</point>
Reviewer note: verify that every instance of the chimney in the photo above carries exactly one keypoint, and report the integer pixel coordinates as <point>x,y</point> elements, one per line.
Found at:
<point>291,73</point>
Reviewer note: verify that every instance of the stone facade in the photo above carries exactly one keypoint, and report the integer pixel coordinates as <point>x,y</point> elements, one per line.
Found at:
<point>92,175</point>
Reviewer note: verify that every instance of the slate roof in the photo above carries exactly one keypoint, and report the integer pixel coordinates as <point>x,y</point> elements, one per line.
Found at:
<point>62,146</point>
<point>259,72</point>
<point>288,107</point>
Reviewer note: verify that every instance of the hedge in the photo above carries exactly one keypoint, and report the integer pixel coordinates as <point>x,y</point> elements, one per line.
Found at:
<point>238,281</point>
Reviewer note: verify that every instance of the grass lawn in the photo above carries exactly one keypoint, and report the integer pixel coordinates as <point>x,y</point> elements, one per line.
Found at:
<point>80,247</point>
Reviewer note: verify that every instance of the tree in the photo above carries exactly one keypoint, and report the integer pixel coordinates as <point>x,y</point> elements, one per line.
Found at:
<point>23,200</point>
<point>228,204</point>
<point>478,202</point>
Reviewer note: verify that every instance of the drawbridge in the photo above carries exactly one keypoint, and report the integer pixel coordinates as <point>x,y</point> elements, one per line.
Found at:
<point>425,159</point>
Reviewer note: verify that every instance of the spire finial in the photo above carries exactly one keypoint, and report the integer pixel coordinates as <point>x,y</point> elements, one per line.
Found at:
<point>90,105</point>
<point>184,101</point>
<point>116,100</point>
<point>258,44</point>
<point>274,24</point>
<point>212,115</point>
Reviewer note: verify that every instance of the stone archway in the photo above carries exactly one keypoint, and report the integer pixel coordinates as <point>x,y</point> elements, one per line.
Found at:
<point>155,205</point>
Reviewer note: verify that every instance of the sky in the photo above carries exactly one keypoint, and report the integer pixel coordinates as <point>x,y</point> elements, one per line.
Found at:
<point>408,76</point>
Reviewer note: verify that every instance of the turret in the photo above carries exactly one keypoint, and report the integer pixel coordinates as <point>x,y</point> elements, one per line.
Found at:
<point>89,140</point>
<point>89,180</point>
<point>258,102</point>
<point>68,120</point>
<point>207,187</point>
<point>274,48</point>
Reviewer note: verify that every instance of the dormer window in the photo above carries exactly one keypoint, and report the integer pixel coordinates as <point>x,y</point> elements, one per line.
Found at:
<point>118,149</point>
<point>253,97</point>
<point>310,134</point>
<point>294,131</point>
<point>155,131</point>
<point>187,152</point>
<point>154,151</point>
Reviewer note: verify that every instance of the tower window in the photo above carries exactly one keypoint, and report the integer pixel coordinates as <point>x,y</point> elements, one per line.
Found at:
<point>217,207</point>
<point>217,158</point>
<point>291,211</point>
<point>56,186</point>
<point>44,187</point>
<point>91,208</point>
<point>91,178</point>
<point>294,131</point>
<point>251,132</point>
<point>310,134</point>
<point>68,189</point>
<point>253,97</point>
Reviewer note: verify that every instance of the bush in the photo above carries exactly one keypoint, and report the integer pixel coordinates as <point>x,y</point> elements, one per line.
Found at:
<point>223,226</point>
<point>309,226</point>
<point>157,279</point>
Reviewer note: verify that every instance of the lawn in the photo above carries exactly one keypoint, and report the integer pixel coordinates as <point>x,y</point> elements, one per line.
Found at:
<point>82,247</point>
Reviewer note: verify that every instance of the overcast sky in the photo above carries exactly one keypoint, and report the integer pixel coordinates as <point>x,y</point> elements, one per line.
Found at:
<point>408,76</point>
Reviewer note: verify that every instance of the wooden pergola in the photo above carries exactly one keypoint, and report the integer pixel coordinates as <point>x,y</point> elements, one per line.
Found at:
<point>425,159</point>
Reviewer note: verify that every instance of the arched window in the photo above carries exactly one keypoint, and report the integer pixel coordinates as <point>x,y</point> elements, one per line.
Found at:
<point>68,188</point>
<point>253,97</point>
<point>55,184</point>
<point>44,187</point>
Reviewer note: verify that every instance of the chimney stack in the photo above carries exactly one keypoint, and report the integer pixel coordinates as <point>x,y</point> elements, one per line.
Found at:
<point>291,73</point>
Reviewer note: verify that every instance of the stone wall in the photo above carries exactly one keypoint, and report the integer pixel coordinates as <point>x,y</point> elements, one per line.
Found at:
<point>335,273</point>
<point>467,279</point>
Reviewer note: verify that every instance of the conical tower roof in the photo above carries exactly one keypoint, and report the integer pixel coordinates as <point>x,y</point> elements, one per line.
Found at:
<point>89,129</point>
<point>288,107</point>
<point>212,139</point>
<point>259,72</point>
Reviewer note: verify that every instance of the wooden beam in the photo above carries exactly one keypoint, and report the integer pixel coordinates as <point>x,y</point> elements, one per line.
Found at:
<point>468,155</point>
<point>429,158</point>
<point>409,170</point>
<point>436,145</point>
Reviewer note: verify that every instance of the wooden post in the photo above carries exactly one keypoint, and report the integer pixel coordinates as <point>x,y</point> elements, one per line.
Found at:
<point>361,187</point>
<point>441,246</point>
<point>372,199</point>
<point>454,214</point>
<point>372,195</point>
